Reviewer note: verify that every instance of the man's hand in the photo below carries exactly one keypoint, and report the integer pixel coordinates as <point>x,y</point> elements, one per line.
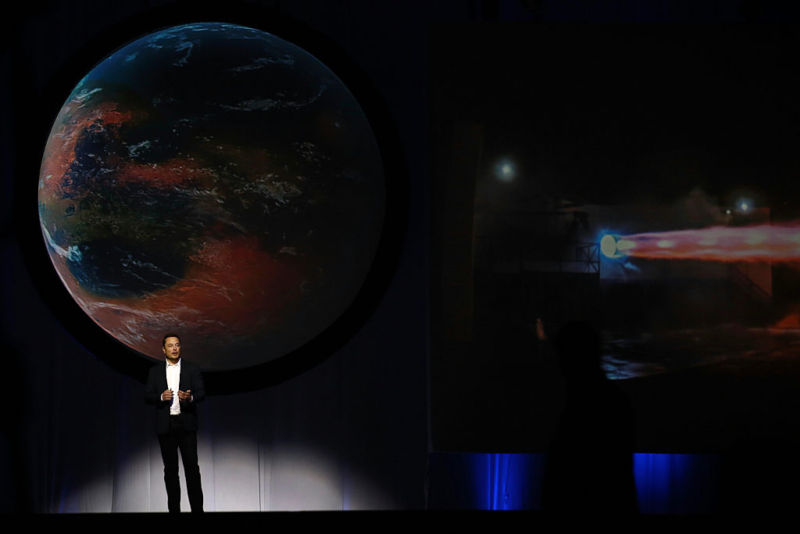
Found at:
<point>166,396</point>
<point>185,396</point>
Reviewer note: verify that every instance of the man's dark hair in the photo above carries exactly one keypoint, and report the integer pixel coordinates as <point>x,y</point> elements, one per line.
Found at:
<point>164,341</point>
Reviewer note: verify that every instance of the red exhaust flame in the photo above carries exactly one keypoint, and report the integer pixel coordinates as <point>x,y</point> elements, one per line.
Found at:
<point>760,243</point>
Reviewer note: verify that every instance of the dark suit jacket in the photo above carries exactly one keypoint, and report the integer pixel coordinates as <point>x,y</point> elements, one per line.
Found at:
<point>191,379</point>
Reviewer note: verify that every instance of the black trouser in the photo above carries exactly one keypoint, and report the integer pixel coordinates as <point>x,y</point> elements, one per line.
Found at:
<point>186,441</point>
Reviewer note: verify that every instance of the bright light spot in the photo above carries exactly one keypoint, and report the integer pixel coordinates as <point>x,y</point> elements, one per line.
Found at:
<point>744,205</point>
<point>666,243</point>
<point>505,171</point>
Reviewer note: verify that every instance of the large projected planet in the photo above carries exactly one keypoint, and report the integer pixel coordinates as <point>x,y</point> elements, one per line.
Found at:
<point>216,181</point>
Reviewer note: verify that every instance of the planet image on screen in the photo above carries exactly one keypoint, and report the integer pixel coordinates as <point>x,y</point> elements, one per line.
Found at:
<point>216,181</point>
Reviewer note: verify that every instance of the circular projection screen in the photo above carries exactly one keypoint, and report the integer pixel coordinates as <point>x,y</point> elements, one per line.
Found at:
<point>215,181</point>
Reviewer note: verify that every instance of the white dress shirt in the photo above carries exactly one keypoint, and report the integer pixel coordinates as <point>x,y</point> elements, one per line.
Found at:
<point>174,383</point>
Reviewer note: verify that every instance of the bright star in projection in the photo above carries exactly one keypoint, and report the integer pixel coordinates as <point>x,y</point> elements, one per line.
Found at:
<point>505,171</point>
<point>744,205</point>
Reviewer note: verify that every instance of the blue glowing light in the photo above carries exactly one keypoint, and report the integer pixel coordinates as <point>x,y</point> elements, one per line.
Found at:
<point>666,483</point>
<point>676,483</point>
<point>506,481</point>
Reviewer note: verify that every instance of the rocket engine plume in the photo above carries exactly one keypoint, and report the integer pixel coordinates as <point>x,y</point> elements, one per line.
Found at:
<point>758,243</point>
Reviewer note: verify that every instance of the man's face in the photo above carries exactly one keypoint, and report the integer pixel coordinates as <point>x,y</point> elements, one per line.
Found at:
<point>172,349</point>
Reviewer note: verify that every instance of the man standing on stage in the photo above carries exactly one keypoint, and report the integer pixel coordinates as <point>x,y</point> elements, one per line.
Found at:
<point>175,388</point>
